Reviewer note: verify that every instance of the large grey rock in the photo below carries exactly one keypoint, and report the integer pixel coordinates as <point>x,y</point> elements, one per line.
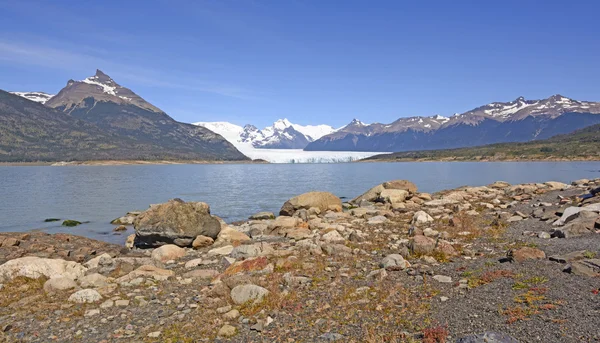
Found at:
<point>578,227</point>
<point>487,337</point>
<point>394,262</point>
<point>35,267</point>
<point>322,200</point>
<point>571,213</point>
<point>175,222</point>
<point>587,267</point>
<point>421,217</point>
<point>244,293</point>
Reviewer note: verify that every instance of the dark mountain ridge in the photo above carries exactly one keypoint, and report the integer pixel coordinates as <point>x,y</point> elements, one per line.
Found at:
<point>516,121</point>
<point>116,122</point>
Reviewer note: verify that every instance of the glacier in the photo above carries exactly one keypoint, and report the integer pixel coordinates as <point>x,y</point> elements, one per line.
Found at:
<point>232,132</point>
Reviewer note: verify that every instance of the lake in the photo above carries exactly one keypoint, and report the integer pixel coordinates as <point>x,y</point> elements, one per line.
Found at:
<point>99,194</point>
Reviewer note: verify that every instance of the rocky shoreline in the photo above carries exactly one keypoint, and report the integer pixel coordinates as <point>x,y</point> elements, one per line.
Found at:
<point>500,263</point>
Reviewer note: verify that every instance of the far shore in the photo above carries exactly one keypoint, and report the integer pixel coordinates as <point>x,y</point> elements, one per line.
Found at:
<point>123,163</point>
<point>454,159</point>
<point>382,160</point>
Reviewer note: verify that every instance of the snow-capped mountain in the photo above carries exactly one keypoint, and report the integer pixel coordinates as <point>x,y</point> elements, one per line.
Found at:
<point>40,97</point>
<point>101,87</point>
<point>281,135</point>
<point>514,121</point>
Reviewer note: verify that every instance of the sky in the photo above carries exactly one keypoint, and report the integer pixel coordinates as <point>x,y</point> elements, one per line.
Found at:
<point>313,62</point>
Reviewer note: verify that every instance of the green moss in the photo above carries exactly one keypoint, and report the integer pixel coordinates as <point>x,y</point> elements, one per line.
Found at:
<point>71,223</point>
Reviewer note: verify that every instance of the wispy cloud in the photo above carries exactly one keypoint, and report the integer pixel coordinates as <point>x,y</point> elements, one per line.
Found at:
<point>18,53</point>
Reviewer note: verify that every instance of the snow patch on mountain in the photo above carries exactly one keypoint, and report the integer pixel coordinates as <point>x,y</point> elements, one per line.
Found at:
<point>40,97</point>
<point>106,85</point>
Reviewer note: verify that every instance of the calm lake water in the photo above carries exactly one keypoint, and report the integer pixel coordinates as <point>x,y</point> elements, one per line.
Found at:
<point>99,194</point>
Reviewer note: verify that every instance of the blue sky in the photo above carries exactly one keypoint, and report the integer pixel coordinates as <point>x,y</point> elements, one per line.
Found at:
<point>255,61</point>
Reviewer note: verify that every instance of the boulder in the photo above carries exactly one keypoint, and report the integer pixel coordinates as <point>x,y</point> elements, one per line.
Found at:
<point>526,253</point>
<point>587,267</point>
<point>572,213</point>
<point>244,293</point>
<point>58,284</point>
<point>202,241</point>
<point>578,227</point>
<point>333,237</point>
<point>230,235</point>
<point>421,245</point>
<point>421,217</point>
<point>94,280</point>
<point>378,192</point>
<point>35,267</point>
<point>167,253</point>
<point>97,261</point>
<point>324,201</point>
<point>394,262</point>
<point>393,196</point>
<point>402,185</point>
<point>175,222</point>
<point>85,296</point>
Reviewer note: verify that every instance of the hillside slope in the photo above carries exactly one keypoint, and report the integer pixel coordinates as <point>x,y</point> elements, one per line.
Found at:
<point>32,132</point>
<point>583,144</point>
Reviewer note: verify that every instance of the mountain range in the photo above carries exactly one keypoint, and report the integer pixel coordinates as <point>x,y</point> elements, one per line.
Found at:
<point>281,135</point>
<point>515,121</point>
<point>98,119</point>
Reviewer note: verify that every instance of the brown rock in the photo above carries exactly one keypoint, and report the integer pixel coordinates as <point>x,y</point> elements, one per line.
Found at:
<point>401,184</point>
<point>202,241</point>
<point>421,245</point>
<point>322,200</point>
<point>167,253</point>
<point>526,253</point>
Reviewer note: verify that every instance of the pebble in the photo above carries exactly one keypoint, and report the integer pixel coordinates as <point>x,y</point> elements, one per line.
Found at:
<point>442,278</point>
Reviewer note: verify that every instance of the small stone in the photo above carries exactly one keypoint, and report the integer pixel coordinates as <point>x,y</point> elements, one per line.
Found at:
<point>331,337</point>
<point>442,278</point>
<point>167,252</point>
<point>544,235</point>
<point>85,296</point>
<point>90,313</point>
<point>224,309</point>
<point>120,228</point>
<point>60,283</point>
<point>249,292</point>
<point>202,241</point>
<point>107,304</point>
<point>122,303</point>
<point>154,334</point>
<point>444,299</point>
<point>227,331</point>
<point>233,314</point>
